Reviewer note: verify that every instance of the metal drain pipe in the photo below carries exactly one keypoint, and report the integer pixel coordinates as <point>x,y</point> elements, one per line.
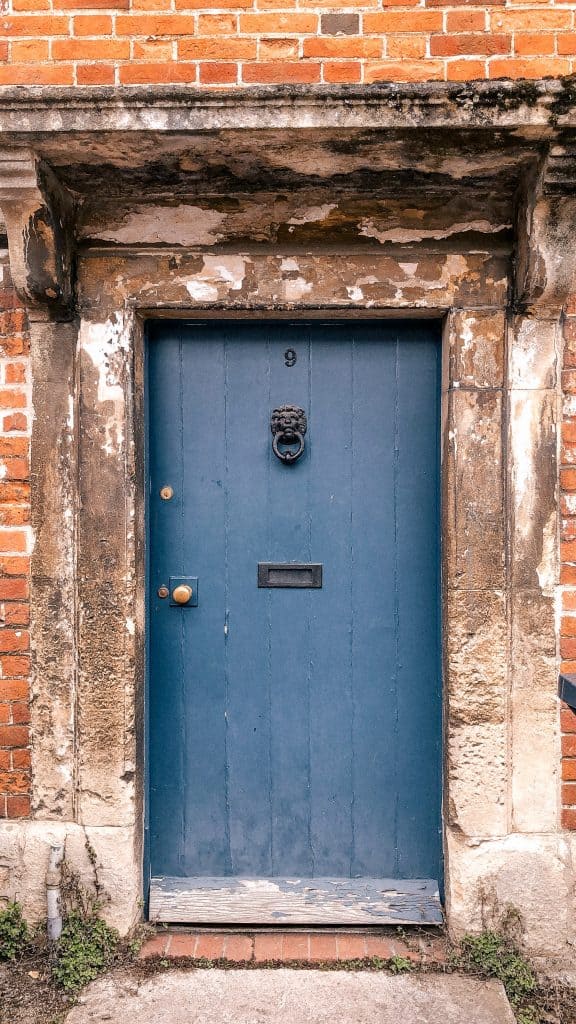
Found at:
<point>53,896</point>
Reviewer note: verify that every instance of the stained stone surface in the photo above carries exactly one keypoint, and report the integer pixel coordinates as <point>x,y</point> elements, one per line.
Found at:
<point>292,997</point>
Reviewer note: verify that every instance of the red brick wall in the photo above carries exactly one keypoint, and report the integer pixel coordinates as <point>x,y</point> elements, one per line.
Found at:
<point>251,42</point>
<point>14,554</point>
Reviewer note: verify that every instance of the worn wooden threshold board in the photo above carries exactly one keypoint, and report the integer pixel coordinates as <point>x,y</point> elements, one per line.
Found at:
<point>306,901</point>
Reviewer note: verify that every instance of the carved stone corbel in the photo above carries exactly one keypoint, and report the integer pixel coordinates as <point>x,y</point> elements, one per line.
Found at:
<point>39,223</point>
<point>546,234</point>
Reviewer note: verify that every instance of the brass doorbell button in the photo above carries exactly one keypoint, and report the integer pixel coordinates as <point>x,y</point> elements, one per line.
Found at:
<point>183,591</point>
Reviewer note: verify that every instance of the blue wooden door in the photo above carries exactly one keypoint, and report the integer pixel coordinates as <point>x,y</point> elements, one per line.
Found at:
<point>294,732</point>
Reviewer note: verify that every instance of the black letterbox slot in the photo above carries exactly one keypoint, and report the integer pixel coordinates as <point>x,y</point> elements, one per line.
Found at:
<point>289,574</point>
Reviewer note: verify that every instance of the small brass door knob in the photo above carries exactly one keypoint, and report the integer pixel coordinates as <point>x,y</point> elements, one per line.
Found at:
<point>182,594</point>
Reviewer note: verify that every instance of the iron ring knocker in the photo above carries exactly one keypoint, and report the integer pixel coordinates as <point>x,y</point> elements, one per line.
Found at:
<point>294,437</point>
<point>288,425</point>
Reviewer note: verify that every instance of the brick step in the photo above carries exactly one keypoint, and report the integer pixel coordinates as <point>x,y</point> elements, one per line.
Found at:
<point>298,944</point>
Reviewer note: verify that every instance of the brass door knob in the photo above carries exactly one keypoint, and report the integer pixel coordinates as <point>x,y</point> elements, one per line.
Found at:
<point>182,594</point>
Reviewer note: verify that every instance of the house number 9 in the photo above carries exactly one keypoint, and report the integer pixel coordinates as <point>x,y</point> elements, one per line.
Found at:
<point>290,357</point>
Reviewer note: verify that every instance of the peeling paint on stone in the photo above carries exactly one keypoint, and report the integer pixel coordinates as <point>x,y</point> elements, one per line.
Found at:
<point>312,214</point>
<point>200,291</point>
<point>295,289</point>
<point>100,343</point>
<point>181,225</point>
<point>405,236</point>
<point>224,273</point>
<point>524,482</point>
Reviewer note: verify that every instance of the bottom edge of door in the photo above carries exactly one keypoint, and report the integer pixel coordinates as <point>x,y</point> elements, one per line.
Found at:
<point>290,901</point>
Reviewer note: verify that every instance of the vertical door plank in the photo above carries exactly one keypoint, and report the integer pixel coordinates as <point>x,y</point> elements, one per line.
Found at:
<point>374,604</point>
<point>290,620</point>
<point>331,699</point>
<point>418,555</point>
<point>205,794</point>
<point>247,642</point>
<point>168,703</point>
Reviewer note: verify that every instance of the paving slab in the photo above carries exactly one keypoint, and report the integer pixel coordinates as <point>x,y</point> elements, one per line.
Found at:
<point>285,996</point>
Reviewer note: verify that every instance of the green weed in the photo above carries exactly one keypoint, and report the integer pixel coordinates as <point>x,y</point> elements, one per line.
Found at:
<point>399,965</point>
<point>494,955</point>
<point>14,934</point>
<point>85,948</point>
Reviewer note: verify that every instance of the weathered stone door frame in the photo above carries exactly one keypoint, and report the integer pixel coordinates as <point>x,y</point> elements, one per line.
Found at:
<point>499,413</point>
<point>477,716</point>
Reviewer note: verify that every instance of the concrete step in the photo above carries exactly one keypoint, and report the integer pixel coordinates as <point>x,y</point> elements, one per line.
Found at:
<point>291,996</point>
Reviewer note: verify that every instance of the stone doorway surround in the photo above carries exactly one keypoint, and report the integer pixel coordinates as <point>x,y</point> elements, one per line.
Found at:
<point>448,201</point>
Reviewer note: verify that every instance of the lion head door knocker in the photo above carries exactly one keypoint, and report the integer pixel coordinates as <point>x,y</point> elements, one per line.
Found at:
<point>288,425</point>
